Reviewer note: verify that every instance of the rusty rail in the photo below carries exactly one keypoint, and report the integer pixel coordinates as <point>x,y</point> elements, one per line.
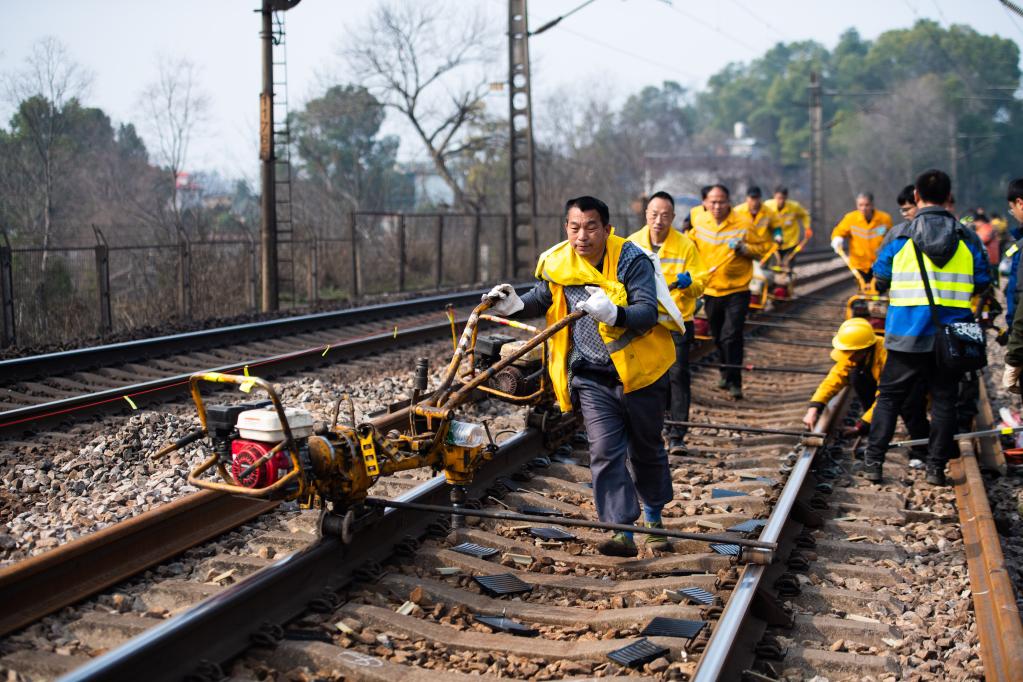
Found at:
<point>47,582</point>
<point>998,619</point>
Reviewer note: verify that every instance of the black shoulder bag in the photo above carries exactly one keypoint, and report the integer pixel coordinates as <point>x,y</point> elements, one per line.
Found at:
<point>958,346</point>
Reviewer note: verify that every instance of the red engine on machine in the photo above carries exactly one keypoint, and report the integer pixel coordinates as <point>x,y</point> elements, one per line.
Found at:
<point>245,453</point>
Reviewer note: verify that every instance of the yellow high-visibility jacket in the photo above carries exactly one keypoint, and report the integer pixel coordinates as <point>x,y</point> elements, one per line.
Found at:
<point>678,254</point>
<point>839,376</point>
<point>864,237</point>
<point>640,358</point>
<point>731,272</point>
<point>766,219</point>
<point>792,216</point>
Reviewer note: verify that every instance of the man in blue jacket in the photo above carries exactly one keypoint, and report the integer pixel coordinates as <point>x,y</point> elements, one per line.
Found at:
<point>956,269</point>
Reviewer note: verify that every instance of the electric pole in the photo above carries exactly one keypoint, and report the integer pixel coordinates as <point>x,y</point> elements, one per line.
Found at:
<point>816,152</point>
<point>268,198</point>
<point>522,175</point>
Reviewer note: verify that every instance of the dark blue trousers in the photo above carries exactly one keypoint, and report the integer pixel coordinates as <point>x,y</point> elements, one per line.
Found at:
<point>625,430</point>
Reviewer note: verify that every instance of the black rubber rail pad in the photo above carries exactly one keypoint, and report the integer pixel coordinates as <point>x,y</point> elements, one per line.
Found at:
<point>638,653</point>
<point>508,483</point>
<point>750,526</point>
<point>512,627</point>
<point>673,627</point>
<point>727,550</point>
<point>502,584</point>
<point>539,511</point>
<point>697,595</point>
<point>721,492</point>
<point>545,533</point>
<point>472,549</point>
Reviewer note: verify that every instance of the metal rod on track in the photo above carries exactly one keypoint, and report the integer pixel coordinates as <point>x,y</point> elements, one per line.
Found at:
<point>566,521</point>
<point>987,433</point>
<point>746,429</point>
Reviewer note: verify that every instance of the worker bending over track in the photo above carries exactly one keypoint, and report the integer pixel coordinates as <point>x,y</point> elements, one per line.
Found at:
<point>956,268</point>
<point>792,217</point>
<point>865,229</point>
<point>611,364</point>
<point>859,357</point>
<point>728,242</point>
<point>683,268</point>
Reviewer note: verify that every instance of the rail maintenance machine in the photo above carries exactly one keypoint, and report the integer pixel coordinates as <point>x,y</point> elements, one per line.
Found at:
<point>265,450</point>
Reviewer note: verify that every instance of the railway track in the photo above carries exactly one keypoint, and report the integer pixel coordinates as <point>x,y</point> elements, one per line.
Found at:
<point>416,614</point>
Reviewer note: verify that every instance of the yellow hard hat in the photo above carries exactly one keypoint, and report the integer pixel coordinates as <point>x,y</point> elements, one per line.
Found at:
<point>855,333</point>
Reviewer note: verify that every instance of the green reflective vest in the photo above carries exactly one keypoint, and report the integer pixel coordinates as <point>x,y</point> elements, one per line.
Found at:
<point>951,286</point>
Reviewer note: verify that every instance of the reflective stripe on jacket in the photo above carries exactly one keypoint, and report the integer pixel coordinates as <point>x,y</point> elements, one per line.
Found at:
<point>732,273</point>
<point>639,358</point>
<point>951,286</point>
<point>792,215</point>
<point>678,254</point>
<point>864,237</point>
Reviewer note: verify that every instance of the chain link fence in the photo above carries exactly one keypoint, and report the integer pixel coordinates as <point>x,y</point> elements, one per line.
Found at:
<point>70,293</point>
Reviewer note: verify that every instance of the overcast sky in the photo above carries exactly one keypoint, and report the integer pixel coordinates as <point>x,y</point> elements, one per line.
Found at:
<point>617,45</point>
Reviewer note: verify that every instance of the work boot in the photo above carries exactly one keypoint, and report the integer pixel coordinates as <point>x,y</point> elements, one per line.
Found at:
<point>735,391</point>
<point>620,544</point>
<point>722,383</point>
<point>677,447</point>
<point>657,543</point>
<point>936,475</point>
<point>871,471</point>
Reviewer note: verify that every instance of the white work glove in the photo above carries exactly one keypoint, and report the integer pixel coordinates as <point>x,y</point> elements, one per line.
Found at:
<point>1010,379</point>
<point>598,306</point>
<point>504,300</point>
<point>837,244</point>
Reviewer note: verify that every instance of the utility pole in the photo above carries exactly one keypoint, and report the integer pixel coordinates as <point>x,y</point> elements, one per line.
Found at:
<point>816,151</point>
<point>268,159</point>
<point>522,175</point>
<point>953,152</point>
<point>268,198</point>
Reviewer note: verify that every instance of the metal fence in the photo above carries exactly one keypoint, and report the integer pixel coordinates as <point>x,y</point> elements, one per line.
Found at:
<point>69,293</point>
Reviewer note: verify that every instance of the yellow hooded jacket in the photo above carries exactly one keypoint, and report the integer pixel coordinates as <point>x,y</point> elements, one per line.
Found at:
<point>640,358</point>
<point>840,375</point>
<point>678,254</point>
<point>729,273</point>
<point>792,215</point>
<point>864,237</point>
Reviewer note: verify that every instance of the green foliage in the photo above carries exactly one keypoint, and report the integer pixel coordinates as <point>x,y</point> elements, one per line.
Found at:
<point>336,137</point>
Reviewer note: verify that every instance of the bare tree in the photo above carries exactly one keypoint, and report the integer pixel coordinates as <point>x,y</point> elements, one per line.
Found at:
<point>417,60</point>
<point>40,92</point>
<point>173,107</point>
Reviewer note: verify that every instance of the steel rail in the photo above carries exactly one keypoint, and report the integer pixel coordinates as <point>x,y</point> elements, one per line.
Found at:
<point>999,628</point>
<point>48,582</point>
<point>221,627</point>
<point>36,366</point>
<point>717,655</point>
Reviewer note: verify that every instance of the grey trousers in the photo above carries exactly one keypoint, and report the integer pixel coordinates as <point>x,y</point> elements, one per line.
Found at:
<point>625,429</point>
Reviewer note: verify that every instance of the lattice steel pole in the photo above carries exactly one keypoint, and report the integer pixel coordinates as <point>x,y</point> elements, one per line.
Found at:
<point>816,153</point>
<point>525,240</point>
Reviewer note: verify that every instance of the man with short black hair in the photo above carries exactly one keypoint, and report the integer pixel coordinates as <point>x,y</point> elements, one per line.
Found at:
<point>683,268</point>
<point>611,365</point>
<point>956,268</point>
<point>792,217</point>
<point>728,242</point>
<point>864,228</point>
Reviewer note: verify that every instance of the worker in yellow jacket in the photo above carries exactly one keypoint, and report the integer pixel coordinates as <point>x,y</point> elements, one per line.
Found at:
<point>859,356</point>
<point>682,268</point>
<point>865,229</point>
<point>612,364</point>
<point>793,218</point>
<point>728,242</point>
